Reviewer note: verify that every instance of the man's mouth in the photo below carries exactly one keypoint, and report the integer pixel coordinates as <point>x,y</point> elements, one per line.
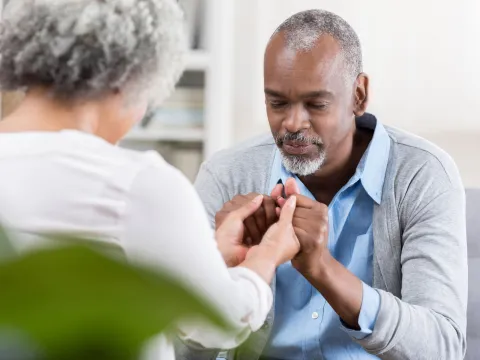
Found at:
<point>298,147</point>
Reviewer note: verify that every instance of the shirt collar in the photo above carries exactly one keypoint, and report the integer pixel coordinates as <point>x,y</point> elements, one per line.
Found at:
<point>375,157</point>
<point>371,169</point>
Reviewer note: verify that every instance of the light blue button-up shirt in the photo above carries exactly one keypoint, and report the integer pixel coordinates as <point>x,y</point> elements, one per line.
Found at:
<point>306,326</point>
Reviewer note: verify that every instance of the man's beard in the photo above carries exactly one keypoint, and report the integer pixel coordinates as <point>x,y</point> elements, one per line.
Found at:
<point>301,165</point>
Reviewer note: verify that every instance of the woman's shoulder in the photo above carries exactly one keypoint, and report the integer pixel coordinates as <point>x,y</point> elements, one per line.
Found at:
<point>155,173</point>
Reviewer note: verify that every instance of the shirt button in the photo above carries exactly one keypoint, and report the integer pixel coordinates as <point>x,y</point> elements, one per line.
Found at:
<point>315,315</point>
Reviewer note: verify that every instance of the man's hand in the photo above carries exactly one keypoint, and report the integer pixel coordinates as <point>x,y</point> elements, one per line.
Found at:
<point>257,224</point>
<point>310,222</point>
<point>230,232</point>
<point>280,244</point>
<point>281,238</point>
<point>342,289</point>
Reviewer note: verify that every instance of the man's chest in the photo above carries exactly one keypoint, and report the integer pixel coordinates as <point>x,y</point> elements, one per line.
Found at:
<point>305,324</point>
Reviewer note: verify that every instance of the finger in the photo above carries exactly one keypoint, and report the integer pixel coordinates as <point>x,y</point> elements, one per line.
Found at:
<point>315,230</point>
<point>220,218</point>
<point>277,211</point>
<point>253,230</point>
<point>260,218</point>
<point>247,209</point>
<point>250,196</point>
<point>247,238</point>
<point>291,187</point>
<point>304,213</point>
<point>302,236</point>
<point>281,202</point>
<point>307,203</point>
<point>288,210</point>
<point>271,216</point>
<point>277,191</point>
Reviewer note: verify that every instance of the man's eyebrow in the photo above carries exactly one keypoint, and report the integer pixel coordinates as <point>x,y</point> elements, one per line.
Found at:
<point>273,93</point>
<point>317,94</point>
<point>307,95</point>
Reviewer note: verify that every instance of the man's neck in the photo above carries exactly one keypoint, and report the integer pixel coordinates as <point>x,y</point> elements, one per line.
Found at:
<point>326,182</point>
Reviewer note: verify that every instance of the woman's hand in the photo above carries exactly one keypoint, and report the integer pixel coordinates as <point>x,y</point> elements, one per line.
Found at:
<point>280,239</point>
<point>230,233</point>
<point>280,244</point>
<point>257,224</point>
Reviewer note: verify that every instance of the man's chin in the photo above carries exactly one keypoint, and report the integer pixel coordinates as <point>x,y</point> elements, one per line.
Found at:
<point>302,165</point>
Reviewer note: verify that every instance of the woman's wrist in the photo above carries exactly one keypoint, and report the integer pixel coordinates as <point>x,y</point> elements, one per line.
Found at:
<point>261,261</point>
<point>227,255</point>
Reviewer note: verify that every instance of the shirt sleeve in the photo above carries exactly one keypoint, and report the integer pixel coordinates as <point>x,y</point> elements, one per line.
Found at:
<point>210,192</point>
<point>368,314</point>
<point>167,227</point>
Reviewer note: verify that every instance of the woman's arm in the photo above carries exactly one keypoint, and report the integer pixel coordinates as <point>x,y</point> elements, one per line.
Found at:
<point>166,226</point>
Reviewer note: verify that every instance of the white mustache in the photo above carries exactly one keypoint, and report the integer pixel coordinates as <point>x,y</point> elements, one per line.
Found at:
<point>300,137</point>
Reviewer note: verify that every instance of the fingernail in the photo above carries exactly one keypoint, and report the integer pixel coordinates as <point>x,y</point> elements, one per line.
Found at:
<point>292,201</point>
<point>258,199</point>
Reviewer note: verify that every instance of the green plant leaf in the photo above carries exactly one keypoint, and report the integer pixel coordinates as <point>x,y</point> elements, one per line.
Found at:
<point>6,248</point>
<point>75,303</point>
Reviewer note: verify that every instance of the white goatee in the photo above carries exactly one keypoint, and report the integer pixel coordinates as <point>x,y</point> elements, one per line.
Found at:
<point>301,166</point>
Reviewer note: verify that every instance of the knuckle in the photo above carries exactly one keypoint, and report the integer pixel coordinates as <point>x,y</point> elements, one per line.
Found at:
<point>260,211</point>
<point>231,204</point>
<point>323,229</point>
<point>219,215</point>
<point>269,200</point>
<point>322,211</point>
<point>321,207</point>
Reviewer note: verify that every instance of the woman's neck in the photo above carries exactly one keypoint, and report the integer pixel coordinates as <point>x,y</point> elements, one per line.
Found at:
<point>41,112</point>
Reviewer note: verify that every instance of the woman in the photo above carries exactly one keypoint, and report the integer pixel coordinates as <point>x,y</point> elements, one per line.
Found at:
<point>90,68</point>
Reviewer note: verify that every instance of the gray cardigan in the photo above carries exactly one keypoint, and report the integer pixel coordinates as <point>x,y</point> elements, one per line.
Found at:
<point>420,253</point>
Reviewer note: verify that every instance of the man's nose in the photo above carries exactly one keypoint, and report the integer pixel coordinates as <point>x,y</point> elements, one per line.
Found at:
<point>298,119</point>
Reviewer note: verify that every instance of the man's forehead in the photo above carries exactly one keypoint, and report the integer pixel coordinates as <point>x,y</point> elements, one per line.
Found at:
<point>283,60</point>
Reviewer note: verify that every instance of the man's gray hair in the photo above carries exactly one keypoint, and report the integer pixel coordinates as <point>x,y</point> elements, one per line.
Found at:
<point>88,48</point>
<point>303,29</point>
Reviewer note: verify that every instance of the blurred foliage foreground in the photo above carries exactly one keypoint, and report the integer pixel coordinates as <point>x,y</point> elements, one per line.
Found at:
<point>75,302</point>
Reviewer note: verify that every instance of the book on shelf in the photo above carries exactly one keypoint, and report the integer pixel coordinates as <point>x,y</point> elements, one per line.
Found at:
<point>183,109</point>
<point>187,159</point>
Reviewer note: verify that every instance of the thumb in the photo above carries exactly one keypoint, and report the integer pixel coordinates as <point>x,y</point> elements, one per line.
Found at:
<point>291,187</point>
<point>286,215</point>
<point>248,209</point>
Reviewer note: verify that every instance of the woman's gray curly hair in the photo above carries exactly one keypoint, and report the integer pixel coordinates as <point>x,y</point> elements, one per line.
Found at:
<point>87,48</point>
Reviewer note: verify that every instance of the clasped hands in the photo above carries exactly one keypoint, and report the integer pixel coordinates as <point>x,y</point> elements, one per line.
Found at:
<point>293,228</point>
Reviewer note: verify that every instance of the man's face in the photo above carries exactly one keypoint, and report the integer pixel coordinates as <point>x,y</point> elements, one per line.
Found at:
<point>309,103</point>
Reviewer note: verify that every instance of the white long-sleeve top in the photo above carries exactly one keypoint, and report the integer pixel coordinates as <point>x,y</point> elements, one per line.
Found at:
<point>73,182</point>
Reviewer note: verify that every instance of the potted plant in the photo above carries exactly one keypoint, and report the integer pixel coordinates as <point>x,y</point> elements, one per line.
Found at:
<point>78,302</point>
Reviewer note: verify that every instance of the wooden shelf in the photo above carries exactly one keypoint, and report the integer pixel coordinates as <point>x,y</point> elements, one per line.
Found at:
<point>167,134</point>
<point>197,60</point>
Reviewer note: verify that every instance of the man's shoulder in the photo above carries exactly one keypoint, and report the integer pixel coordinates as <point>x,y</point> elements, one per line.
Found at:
<point>256,152</point>
<point>414,154</point>
<point>242,169</point>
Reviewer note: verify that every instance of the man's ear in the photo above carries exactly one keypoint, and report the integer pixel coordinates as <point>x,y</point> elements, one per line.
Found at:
<point>360,100</point>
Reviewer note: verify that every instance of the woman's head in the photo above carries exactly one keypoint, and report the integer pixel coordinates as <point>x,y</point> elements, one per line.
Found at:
<point>89,49</point>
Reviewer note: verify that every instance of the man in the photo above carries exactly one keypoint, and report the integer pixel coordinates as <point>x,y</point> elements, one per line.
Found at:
<point>382,271</point>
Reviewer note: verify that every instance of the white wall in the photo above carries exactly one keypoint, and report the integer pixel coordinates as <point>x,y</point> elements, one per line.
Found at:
<point>423,57</point>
